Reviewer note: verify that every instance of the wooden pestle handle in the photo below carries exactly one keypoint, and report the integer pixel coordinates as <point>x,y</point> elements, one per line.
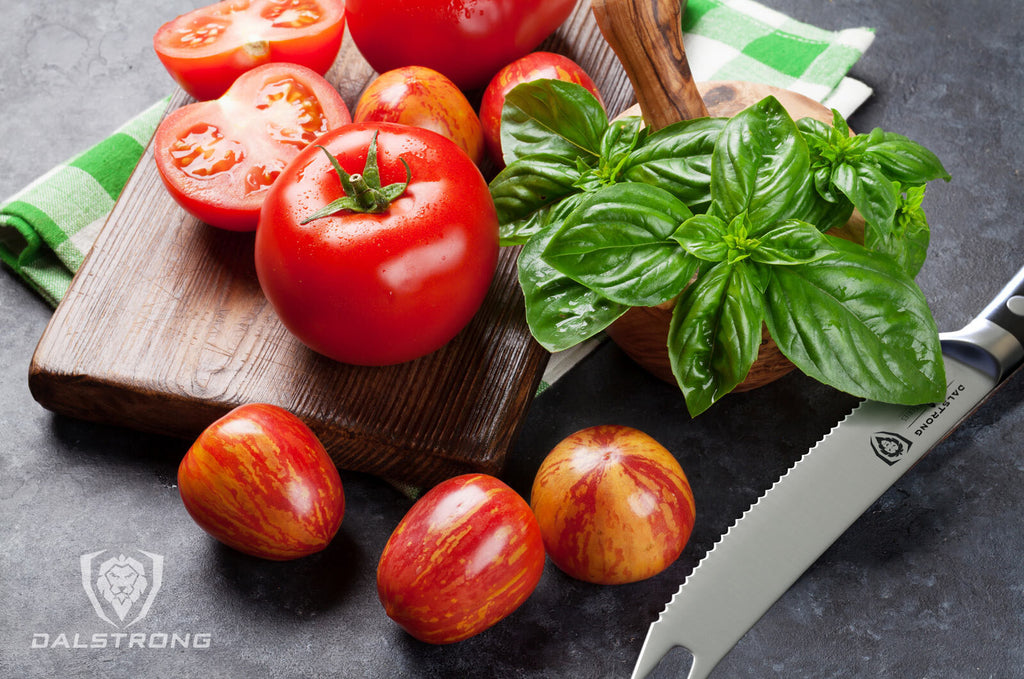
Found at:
<point>647,37</point>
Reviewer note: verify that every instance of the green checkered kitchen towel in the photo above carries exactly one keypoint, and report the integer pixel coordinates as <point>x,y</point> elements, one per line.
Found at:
<point>47,228</point>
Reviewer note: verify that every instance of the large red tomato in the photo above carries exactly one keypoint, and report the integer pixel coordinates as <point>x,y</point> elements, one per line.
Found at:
<point>419,96</point>
<point>259,481</point>
<point>534,66</point>
<point>465,556</point>
<point>206,49</point>
<point>218,158</point>
<point>613,504</point>
<point>392,279</point>
<point>467,40</point>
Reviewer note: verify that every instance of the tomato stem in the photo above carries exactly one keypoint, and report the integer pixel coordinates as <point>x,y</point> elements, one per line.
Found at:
<point>363,192</point>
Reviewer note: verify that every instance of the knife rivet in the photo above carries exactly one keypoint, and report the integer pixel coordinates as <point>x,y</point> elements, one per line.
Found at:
<point>1016,305</point>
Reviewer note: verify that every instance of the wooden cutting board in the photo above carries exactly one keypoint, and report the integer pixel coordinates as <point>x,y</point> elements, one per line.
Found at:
<point>165,328</point>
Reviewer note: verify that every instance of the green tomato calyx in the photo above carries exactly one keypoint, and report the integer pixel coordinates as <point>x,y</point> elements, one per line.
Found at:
<point>363,192</point>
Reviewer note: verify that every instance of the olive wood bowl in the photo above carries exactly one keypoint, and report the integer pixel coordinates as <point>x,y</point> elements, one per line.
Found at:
<point>647,38</point>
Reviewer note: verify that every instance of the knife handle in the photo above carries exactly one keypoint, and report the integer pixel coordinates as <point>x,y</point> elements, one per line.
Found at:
<point>994,341</point>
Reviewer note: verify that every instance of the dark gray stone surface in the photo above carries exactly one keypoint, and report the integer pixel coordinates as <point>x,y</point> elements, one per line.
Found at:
<point>928,583</point>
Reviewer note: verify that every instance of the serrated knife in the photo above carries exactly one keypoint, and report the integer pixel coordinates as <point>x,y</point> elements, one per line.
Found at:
<point>826,490</point>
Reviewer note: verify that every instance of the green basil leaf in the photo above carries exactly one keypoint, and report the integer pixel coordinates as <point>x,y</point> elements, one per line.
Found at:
<point>532,184</point>
<point>677,158</point>
<point>622,136</point>
<point>561,313</point>
<point>703,236</point>
<point>904,160</point>
<point>823,213</point>
<point>760,164</point>
<point>907,241</point>
<point>552,117</point>
<point>715,333</point>
<point>790,242</point>
<point>869,190</point>
<point>617,243</point>
<point>522,230</point>
<point>857,322</point>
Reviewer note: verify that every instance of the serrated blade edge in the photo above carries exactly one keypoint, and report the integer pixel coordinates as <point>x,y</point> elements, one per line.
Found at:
<point>767,549</point>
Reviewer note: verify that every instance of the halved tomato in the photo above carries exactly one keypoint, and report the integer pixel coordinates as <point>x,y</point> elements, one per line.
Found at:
<point>205,50</point>
<point>218,158</point>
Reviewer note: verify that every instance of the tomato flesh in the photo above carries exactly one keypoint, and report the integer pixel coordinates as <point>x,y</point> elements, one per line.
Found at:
<point>218,158</point>
<point>207,49</point>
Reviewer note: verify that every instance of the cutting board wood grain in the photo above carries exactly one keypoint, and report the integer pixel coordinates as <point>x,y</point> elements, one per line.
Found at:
<point>165,328</point>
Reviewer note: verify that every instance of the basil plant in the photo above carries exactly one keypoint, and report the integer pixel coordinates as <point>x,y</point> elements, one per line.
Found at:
<point>728,218</point>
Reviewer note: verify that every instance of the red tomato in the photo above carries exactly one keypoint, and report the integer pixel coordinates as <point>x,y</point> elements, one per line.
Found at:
<point>206,49</point>
<point>534,66</point>
<point>259,481</point>
<point>466,555</point>
<point>422,97</point>
<point>218,158</point>
<point>375,288</point>
<point>467,40</point>
<point>613,505</point>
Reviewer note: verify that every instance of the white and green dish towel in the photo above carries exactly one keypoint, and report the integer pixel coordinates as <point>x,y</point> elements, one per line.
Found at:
<point>47,228</point>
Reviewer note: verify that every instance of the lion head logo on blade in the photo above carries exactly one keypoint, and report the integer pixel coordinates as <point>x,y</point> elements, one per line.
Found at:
<point>121,581</point>
<point>889,447</point>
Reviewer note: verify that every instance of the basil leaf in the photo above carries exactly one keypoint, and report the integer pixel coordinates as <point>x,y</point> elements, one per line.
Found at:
<point>857,322</point>
<point>715,333</point>
<point>617,243</point>
<point>904,160</point>
<point>622,136</point>
<point>907,241</point>
<point>869,190</point>
<point>561,313</point>
<point>530,185</point>
<point>703,236</point>
<point>790,242</point>
<point>552,117</point>
<point>677,158</point>
<point>823,213</point>
<point>760,164</point>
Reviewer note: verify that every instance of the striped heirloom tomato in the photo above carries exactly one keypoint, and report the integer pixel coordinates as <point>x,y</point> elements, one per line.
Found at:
<point>613,505</point>
<point>466,555</point>
<point>260,481</point>
<point>422,97</point>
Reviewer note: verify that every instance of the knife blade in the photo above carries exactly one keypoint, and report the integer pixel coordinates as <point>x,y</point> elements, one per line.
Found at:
<point>764,552</point>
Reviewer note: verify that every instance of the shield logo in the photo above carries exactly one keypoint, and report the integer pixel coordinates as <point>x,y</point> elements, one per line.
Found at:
<point>121,587</point>
<point>889,447</point>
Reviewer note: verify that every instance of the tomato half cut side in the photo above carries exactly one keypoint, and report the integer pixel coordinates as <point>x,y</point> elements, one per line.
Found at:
<point>219,158</point>
<point>205,50</point>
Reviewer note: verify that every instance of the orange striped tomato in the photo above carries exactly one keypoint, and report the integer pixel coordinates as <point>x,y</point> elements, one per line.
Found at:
<point>422,97</point>
<point>261,482</point>
<point>466,555</point>
<point>614,506</point>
